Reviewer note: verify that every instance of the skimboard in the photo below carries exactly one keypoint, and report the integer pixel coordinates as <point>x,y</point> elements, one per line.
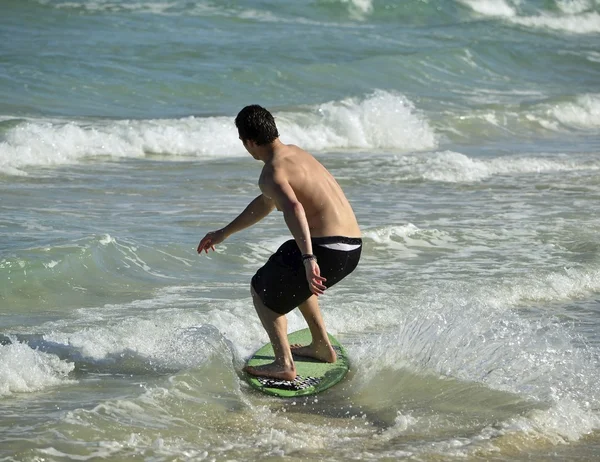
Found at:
<point>313,376</point>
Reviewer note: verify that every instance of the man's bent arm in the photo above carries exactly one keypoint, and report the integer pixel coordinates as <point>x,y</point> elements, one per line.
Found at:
<point>293,212</point>
<point>259,208</point>
<point>295,219</point>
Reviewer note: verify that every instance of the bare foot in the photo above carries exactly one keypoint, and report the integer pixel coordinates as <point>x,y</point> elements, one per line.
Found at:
<point>273,371</point>
<point>324,353</point>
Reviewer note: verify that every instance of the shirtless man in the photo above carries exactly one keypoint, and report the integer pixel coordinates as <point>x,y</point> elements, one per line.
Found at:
<point>326,245</point>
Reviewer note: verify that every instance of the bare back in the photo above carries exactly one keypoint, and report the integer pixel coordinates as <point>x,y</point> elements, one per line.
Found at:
<point>327,210</point>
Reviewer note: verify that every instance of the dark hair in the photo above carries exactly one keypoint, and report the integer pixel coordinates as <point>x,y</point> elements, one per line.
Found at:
<point>257,124</point>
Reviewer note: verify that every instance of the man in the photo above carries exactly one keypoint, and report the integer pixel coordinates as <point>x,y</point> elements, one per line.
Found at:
<point>326,245</point>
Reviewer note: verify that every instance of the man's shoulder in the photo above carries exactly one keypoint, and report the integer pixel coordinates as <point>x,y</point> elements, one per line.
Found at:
<point>272,173</point>
<point>291,162</point>
<point>291,157</point>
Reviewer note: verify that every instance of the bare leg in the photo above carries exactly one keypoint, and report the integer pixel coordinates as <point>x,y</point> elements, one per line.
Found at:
<point>276,326</point>
<point>320,347</point>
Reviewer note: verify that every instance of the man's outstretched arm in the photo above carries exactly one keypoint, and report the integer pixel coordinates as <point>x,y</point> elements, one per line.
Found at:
<point>259,208</point>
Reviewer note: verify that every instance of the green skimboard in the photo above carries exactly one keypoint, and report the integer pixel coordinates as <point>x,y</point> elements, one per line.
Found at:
<point>313,376</point>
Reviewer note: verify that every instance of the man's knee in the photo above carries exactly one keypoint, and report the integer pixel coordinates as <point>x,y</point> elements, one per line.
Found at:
<point>256,298</point>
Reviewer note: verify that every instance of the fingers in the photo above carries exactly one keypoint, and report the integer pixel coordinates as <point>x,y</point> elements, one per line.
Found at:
<point>318,277</point>
<point>316,291</point>
<point>319,284</point>
<point>202,244</point>
<point>210,240</point>
<point>205,244</point>
<point>315,280</point>
<point>316,285</point>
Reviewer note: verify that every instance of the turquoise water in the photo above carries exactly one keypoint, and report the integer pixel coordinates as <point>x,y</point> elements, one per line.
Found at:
<point>466,135</point>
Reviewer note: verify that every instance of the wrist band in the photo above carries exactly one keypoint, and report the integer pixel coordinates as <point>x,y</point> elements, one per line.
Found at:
<point>308,256</point>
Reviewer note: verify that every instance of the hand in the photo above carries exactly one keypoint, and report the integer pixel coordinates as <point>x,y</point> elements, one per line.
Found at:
<point>314,278</point>
<point>210,240</point>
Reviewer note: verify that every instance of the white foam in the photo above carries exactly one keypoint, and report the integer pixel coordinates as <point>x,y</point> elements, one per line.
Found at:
<point>455,167</point>
<point>43,142</point>
<point>402,423</point>
<point>385,234</point>
<point>574,6</point>
<point>585,23</point>
<point>153,332</point>
<point>592,56</point>
<point>560,286</point>
<point>106,239</point>
<point>406,241</point>
<point>474,333</point>
<point>581,113</point>
<point>566,421</point>
<point>160,8</point>
<point>359,9</point>
<point>452,167</point>
<point>575,16</point>
<point>491,7</point>
<point>381,120</point>
<point>24,370</point>
<point>584,113</point>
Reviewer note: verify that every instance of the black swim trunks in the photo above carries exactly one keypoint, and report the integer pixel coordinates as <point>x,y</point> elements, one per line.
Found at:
<point>281,283</point>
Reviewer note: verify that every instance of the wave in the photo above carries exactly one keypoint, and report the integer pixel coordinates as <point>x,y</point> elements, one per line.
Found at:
<point>496,337</point>
<point>583,113</point>
<point>578,17</point>
<point>406,241</point>
<point>95,254</point>
<point>586,23</point>
<point>88,269</point>
<point>381,120</point>
<point>491,7</point>
<point>26,370</point>
<point>576,114</point>
<point>354,10</point>
<point>455,167</point>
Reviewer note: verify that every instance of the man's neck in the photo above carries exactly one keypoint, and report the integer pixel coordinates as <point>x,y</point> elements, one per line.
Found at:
<point>267,153</point>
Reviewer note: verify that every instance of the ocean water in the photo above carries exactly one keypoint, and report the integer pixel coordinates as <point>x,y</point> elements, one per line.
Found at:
<point>466,134</point>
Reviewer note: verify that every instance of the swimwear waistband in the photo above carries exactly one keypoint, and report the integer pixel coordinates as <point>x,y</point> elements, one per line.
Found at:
<point>338,242</point>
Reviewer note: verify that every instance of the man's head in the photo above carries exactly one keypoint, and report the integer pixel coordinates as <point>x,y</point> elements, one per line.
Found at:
<point>255,123</point>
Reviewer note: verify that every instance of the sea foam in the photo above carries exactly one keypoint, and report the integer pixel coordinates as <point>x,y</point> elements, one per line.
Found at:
<point>456,167</point>
<point>479,334</point>
<point>583,113</point>
<point>584,23</point>
<point>576,17</point>
<point>25,370</point>
<point>491,7</point>
<point>381,120</point>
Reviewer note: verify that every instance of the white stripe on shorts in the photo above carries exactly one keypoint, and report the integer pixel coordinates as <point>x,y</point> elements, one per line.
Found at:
<point>340,246</point>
